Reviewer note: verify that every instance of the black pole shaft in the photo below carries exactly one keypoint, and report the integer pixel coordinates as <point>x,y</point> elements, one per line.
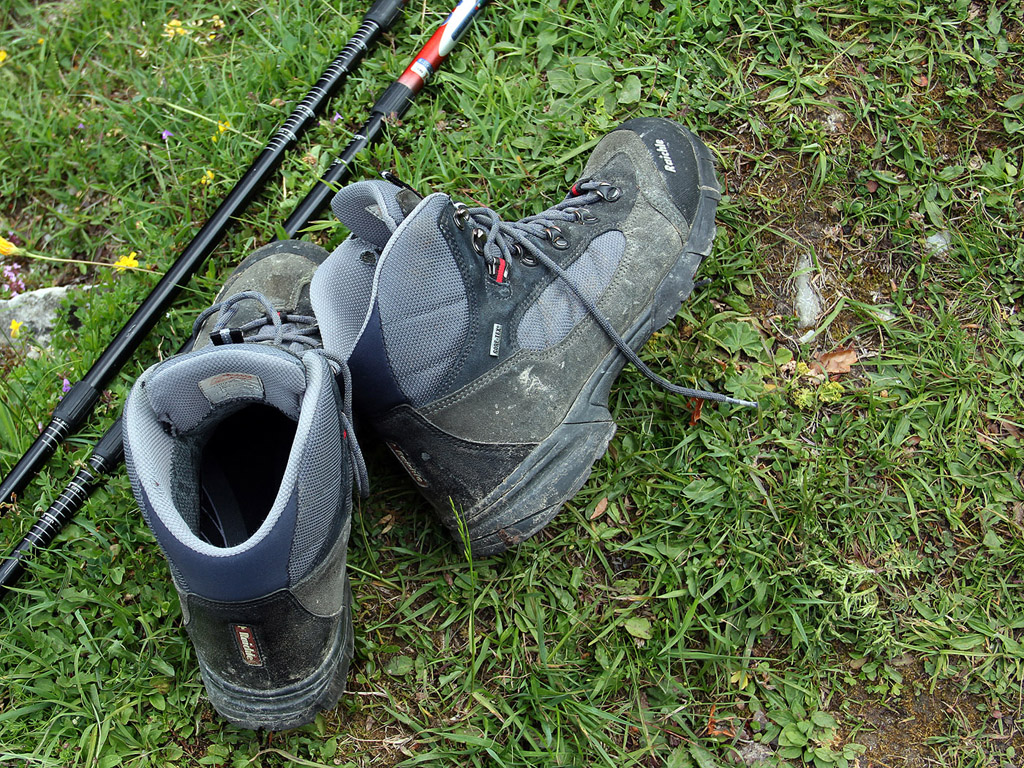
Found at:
<point>106,455</point>
<point>83,396</point>
<point>109,451</point>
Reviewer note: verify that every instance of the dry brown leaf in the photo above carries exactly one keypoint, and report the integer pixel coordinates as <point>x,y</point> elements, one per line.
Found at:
<point>839,360</point>
<point>713,726</point>
<point>697,406</point>
<point>1001,427</point>
<point>602,505</point>
<point>988,442</point>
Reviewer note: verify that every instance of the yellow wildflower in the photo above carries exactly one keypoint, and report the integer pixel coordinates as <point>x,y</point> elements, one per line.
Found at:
<point>174,28</point>
<point>831,392</point>
<point>223,125</point>
<point>3,55</point>
<point>127,262</point>
<point>16,328</point>
<point>7,248</point>
<point>803,398</point>
<point>217,22</point>
<point>740,678</point>
<point>41,40</point>
<point>207,178</point>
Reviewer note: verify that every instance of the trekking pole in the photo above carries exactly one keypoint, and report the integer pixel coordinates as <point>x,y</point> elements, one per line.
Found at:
<point>109,451</point>
<point>392,105</point>
<point>78,403</point>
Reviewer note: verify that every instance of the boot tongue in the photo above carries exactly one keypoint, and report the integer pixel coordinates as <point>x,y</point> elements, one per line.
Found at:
<point>373,209</point>
<point>413,293</point>
<point>422,310</point>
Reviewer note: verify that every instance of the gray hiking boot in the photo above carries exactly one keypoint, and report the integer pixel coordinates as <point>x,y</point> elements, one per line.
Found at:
<point>487,350</point>
<point>242,458</point>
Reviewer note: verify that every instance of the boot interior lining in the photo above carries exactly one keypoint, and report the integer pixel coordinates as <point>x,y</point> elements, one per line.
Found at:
<point>240,472</point>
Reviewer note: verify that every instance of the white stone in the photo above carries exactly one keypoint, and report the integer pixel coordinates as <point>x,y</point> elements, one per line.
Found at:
<point>806,302</point>
<point>938,243</point>
<point>36,310</point>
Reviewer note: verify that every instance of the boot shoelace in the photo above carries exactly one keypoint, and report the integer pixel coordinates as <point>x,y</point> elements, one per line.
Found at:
<point>272,327</point>
<point>296,334</point>
<point>498,241</point>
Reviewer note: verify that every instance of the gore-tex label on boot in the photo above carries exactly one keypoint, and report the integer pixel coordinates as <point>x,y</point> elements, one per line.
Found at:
<point>495,340</point>
<point>231,386</point>
<point>250,650</point>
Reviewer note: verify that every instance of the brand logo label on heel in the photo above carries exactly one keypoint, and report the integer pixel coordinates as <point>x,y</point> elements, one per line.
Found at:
<point>666,158</point>
<point>250,650</point>
<point>232,386</point>
<point>404,460</point>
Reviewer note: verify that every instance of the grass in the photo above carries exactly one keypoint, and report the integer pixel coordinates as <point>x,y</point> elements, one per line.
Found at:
<point>835,578</point>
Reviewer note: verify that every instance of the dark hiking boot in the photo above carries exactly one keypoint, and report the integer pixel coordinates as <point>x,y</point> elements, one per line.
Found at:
<point>242,458</point>
<point>487,350</point>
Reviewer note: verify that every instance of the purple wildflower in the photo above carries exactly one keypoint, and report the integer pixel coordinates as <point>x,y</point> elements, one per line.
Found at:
<point>166,134</point>
<point>336,118</point>
<point>66,386</point>
<point>12,277</point>
<point>81,126</point>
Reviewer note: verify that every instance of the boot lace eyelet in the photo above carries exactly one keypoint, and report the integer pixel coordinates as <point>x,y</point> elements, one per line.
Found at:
<point>608,192</point>
<point>460,215</point>
<point>523,257</point>
<point>479,240</point>
<point>554,234</point>
<point>583,216</point>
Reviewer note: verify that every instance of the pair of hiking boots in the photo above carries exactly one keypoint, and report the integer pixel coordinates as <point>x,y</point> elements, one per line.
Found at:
<point>481,351</point>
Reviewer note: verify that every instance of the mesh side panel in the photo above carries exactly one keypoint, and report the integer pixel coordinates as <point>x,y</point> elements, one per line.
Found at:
<point>423,305</point>
<point>174,393</point>
<point>369,209</point>
<point>340,294</point>
<point>184,485</point>
<point>322,473</point>
<point>557,310</point>
<point>149,455</point>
